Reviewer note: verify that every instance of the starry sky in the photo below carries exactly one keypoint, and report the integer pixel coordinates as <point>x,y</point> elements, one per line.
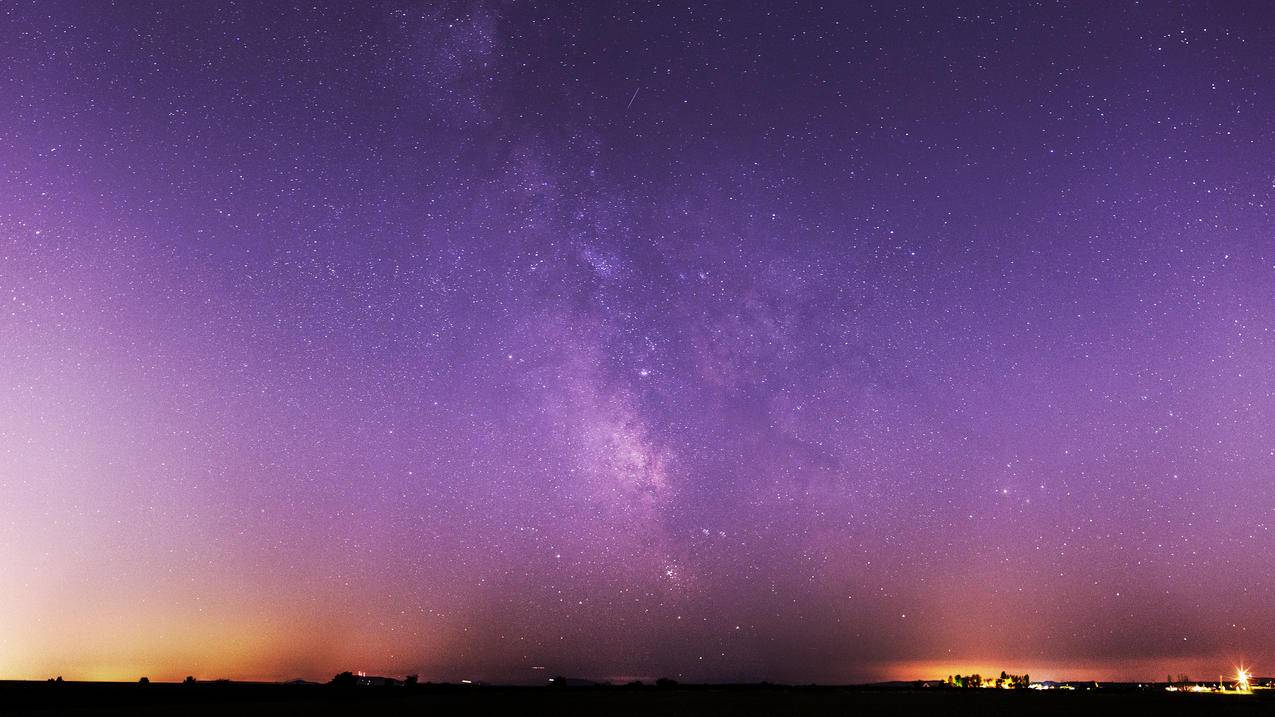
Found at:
<point>721,341</point>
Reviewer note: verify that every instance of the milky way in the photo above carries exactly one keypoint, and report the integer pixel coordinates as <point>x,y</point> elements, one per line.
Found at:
<point>719,342</point>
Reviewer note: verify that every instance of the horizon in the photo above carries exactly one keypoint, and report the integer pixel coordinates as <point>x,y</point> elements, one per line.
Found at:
<point>808,343</point>
<point>933,671</point>
<point>631,680</point>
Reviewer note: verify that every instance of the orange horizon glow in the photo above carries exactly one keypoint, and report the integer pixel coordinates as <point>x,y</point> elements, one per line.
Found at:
<point>1202,669</point>
<point>245,664</point>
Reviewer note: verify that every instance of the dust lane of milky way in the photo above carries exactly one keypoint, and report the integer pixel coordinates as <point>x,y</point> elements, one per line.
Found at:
<point>789,341</point>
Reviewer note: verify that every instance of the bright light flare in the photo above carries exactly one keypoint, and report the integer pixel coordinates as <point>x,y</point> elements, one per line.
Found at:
<point>1242,679</point>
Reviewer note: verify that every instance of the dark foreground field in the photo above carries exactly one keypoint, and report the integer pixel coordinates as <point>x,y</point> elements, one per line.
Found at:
<point>249,700</point>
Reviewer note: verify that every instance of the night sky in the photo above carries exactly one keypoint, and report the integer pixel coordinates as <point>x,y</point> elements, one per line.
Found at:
<point>789,341</point>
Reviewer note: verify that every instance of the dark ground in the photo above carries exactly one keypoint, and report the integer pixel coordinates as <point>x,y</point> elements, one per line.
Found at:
<point>249,700</point>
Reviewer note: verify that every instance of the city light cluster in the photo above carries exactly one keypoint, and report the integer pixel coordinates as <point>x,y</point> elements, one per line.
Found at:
<point>1241,683</point>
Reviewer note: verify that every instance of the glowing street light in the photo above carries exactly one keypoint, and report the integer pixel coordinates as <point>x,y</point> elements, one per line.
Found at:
<point>1242,677</point>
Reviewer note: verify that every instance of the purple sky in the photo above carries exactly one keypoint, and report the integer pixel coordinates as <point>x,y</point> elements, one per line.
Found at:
<point>811,343</point>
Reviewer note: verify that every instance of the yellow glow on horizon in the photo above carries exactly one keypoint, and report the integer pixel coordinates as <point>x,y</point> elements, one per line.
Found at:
<point>1135,670</point>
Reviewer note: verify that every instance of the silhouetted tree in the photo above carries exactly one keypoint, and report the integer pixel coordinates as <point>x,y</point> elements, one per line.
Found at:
<point>411,681</point>
<point>190,680</point>
<point>665,682</point>
<point>345,679</point>
<point>144,681</point>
